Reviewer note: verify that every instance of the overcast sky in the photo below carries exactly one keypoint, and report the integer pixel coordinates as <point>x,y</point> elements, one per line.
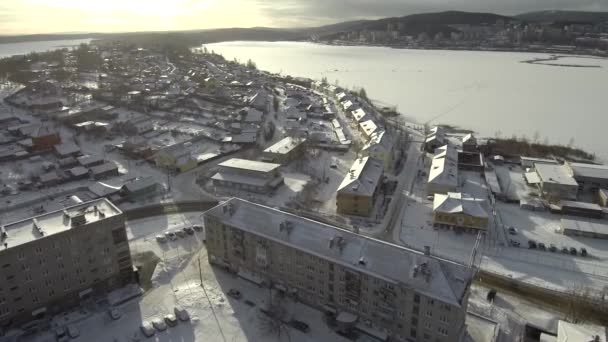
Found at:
<point>51,16</point>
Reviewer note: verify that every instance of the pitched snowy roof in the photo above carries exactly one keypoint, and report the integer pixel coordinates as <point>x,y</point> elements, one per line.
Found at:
<point>439,279</point>
<point>363,177</point>
<point>378,140</point>
<point>444,167</point>
<point>455,202</point>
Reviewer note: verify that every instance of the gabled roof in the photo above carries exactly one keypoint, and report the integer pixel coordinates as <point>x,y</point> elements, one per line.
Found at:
<point>444,167</point>
<point>363,178</point>
<point>378,140</point>
<point>455,202</point>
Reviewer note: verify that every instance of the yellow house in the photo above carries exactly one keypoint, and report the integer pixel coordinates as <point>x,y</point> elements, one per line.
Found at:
<point>175,157</point>
<point>379,147</point>
<point>459,211</point>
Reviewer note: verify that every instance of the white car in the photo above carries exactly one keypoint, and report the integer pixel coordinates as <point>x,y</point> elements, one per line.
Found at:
<point>159,324</point>
<point>161,238</point>
<point>147,329</point>
<point>181,313</point>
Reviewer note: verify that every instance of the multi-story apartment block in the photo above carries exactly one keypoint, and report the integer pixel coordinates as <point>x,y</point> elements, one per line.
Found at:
<point>54,261</point>
<point>369,284</point>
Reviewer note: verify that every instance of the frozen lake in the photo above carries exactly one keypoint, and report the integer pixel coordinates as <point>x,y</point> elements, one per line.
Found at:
<point>490,92</point>
<point>27,47</point>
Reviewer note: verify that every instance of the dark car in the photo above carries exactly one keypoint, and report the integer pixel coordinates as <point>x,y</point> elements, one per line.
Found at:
<point>514,243</point>
<point>236,294</point>
<point>512,231</point>
<point>531,244</point>
<point>565,250</point>
<point>198,228</point>
<point>180,233</point>
<point>542,246</point>
<point>583,252</point>
<point>189,230</point>
<point>250,303</point>
<point>572,250</point>
<point>552,248</point>
<point>299,325</point>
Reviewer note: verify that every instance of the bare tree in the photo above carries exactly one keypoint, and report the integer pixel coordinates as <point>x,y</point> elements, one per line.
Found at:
<point>273,319</point>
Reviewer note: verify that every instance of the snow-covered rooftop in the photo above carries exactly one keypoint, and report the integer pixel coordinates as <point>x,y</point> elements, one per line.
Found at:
<point>569,332</point>
<point>455,202</point>
<point>444,168</point>
<point>444,280</point>
<point>245,164</point>
<point>556,174</point>
<point>589,170</point>
<point>284,145</point>
<point>363,177</point>
<point>55,222</point>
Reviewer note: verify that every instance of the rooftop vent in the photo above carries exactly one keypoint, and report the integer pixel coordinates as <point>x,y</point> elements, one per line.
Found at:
<point>286,226</point>
<point>229,209</point>
<point>337,241</point>
<point>362,261</point>
<point>78,219</point>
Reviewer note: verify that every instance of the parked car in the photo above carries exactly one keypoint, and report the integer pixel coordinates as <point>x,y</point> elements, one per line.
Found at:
<point>542,246</point>
<point>180,233</point>
<point>584,251</point>
<point>147,329</point>
<point>514,243</point>
<point>159,324</point>
<point>114,314</point>
<point>181,313</point>
<point>171,236</point>
<point>572,250</point>
<point>299,325</point>
<point>198,228</point>
<point>565,250</point>
<point>512,231</point>
<point>171,320</point>
<point>250,303</point>
<point>552,248</point>
<point>531,244</point>
<point>161,238</point>
<point>189,230</point>
<point>236,294</point>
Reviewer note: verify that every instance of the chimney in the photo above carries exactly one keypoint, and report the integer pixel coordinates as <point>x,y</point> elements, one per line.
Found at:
<point>427,250</point>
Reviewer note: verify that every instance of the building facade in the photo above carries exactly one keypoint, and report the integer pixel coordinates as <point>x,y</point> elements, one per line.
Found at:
<point>55,261</point>
<point>360,187</point>
<point>459,211</point>
<point>248,175</point>
<point>556,182</point>
<point>368,284</point>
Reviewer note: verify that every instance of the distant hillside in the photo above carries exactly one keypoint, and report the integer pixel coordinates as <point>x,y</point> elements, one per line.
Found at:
<point>564,16</point>
<point>426,22</point>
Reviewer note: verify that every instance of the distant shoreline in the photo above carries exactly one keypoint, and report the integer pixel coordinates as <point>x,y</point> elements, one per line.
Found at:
<point>540,61</point>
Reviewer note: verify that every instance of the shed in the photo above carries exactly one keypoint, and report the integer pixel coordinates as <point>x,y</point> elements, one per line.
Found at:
<point>107,169</point>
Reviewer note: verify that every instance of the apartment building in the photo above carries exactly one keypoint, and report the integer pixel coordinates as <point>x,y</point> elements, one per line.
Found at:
<point>360,187</point>
<point>369,285</point>
<point>54,261</point>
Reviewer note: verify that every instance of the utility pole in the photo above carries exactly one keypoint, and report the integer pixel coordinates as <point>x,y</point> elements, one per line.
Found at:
<point>200,271</point>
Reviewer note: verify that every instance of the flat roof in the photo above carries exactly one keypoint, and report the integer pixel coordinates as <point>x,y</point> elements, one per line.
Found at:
<point>444,167</point>
<point>446,280</point>
<point>556,174</point>
<point>245,164</point>
<point>284,145</point>
<point>38,227</point>
<point>589,170</point>
<point>587,226</point>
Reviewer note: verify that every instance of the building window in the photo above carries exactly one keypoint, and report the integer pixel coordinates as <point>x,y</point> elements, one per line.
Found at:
<point>119,236</point>
<point>416,298</point>
<point>414,321</point>
<point>413,333</point>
